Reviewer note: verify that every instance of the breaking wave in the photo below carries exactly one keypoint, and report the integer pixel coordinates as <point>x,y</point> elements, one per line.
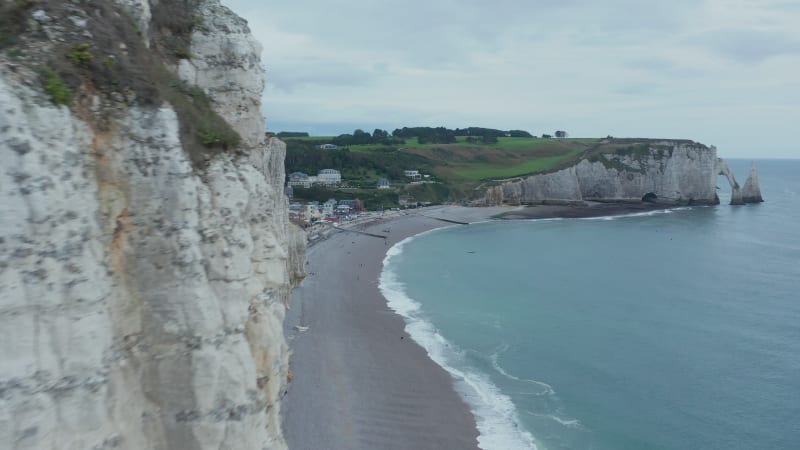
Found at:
<point>498,424</point>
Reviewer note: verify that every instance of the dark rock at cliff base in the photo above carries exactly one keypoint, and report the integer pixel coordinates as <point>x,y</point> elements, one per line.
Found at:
<point>650,197</point>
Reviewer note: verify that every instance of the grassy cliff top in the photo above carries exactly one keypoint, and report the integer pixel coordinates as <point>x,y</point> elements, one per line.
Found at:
<point>461,161</point>
<point>464,162</point>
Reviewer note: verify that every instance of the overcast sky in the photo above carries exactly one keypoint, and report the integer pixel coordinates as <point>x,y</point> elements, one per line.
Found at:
<point>722,72</point>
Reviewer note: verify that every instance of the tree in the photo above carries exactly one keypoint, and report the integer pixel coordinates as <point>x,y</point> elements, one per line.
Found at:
<point>519,133</point>
<point>343,140</point>
<point>291,134</point>
<point>478,131</point>
<point>361,137</point>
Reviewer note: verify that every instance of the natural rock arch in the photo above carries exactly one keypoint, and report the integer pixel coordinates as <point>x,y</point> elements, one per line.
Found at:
<point>736,194</point>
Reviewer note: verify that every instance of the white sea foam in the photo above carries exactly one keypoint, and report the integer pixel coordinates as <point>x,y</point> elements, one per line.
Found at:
<point>569,423</point>
<point>654,212</point>
<point>499,427</point>
<point>546,388</point>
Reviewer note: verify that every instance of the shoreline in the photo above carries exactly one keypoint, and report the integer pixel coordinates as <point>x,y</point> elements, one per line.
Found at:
<point>589,210</point>
<point>359,380</point>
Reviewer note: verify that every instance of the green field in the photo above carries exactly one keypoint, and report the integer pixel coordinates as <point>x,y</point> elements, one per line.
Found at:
<point>459,167</point>
<point>459,161</point>
<point>455,168</point>
<point>507,158</point>
<point>321,139</point>
<point>499,171</point>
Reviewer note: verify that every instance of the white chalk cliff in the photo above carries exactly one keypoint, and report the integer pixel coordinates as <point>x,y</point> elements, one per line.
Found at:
<point>668,172</point>
<point>141,296</point>
<point>751,192</point>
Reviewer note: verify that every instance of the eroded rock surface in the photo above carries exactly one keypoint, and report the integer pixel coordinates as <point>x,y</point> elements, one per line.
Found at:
<point>751,192</point>
<point>668,172</point>
<point>141,296</point>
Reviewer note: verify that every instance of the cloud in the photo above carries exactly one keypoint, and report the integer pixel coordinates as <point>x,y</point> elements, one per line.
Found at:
<point>291,76</point>
<point>685,68</point>
<point>750,46</point>
<point>637,89</point>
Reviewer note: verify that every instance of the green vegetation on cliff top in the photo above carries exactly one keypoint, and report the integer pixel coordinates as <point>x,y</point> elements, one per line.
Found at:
<point>457,162</point>
<point>456,168</point>
<point>106,57</point>
<point>459,165</point>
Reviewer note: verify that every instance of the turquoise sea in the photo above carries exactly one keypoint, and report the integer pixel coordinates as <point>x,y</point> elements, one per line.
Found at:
<point>672,330</point>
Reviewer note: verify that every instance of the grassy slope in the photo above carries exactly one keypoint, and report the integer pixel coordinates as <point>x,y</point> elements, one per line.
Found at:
<point>507,158</point>
<point>462,166</point>
<point>535,165</point>
<point>462,161</point>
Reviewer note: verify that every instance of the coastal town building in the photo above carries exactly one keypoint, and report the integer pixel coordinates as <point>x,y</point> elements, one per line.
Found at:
<point>308,213</point>
<point>300,179</point>
<point>413,174</point>
<point>354,205</point>
<point>383,183</point>
<point>297,213</point>
<point>329,207</point>
<point>406,201</point>
<point>343,210</point>
<point>329,177</point>
<point>327,147</point>
<point>313,211</point>
<point>348,202</point>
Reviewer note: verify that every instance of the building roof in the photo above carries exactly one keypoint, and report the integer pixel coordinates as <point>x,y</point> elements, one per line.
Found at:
<point>329,171</point>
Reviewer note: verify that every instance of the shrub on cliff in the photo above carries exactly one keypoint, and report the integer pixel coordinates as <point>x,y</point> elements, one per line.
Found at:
<point>81,54</point>
<point>56,89</point>
<point>198,117</point>
<point>104,55</point>
<point>13,20</point>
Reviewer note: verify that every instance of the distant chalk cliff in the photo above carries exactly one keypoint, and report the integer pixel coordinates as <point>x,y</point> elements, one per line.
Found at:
<point>668,172</point>
<point>145,250</point>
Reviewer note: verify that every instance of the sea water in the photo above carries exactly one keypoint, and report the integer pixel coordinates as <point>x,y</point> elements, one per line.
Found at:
<point>674,329</point>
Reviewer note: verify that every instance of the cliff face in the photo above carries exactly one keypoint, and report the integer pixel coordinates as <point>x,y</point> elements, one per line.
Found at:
<point>668,172</point>
<point>142,294</point>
